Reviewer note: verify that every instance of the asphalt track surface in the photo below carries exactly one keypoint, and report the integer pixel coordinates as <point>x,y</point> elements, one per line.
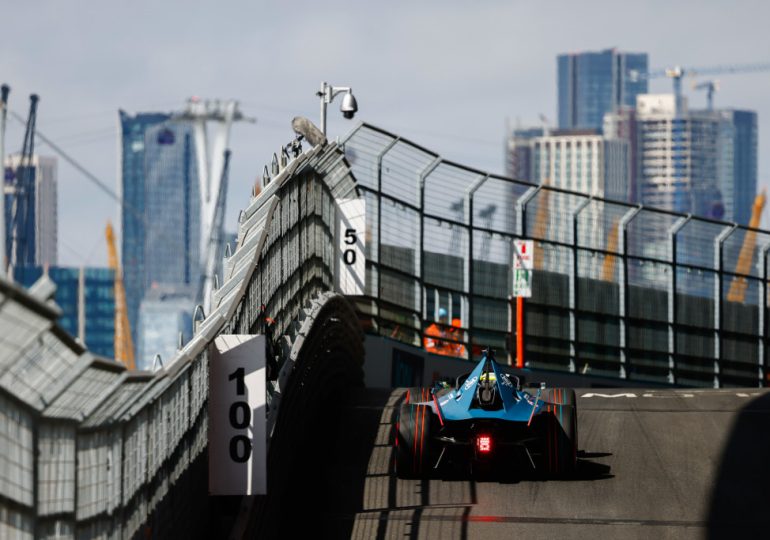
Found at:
<point>652,464</point>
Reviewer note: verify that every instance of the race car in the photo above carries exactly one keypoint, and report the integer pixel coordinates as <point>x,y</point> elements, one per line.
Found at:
<point>487,422</point>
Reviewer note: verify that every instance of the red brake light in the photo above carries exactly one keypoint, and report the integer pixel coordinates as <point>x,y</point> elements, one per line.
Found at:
<point>484,444</point>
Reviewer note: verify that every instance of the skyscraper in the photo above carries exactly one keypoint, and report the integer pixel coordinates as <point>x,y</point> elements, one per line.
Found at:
<point>621,125</point>
<point>86,297</point>
<point>738,181</point>
<point>38,230</point>
<point>161,211</point>
<point>680,156</point>
<point>172,207</point>
<point>585,161</point>
<point>591,84</point>
<point>518,152</point>
<point>132,213</point>
<point>166,311</point>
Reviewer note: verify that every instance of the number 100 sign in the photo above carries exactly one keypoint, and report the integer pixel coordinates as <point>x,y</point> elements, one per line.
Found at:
<point>237,443</point>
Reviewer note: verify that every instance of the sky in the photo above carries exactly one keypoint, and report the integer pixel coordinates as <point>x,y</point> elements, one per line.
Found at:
<point>447,75</point>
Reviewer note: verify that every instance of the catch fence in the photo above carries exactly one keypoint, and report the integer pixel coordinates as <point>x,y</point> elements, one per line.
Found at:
<point>619,290</point>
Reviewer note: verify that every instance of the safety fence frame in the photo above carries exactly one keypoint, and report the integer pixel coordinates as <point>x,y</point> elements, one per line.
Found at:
<point>619,290</point>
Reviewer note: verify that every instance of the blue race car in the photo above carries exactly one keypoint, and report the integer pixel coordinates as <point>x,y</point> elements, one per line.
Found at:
<point>488,422</point>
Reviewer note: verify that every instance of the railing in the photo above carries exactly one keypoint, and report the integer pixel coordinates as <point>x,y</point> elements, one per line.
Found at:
<point>618,290</point>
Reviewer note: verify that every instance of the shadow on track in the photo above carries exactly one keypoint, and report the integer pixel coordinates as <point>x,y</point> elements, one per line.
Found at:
<point>585,470</point>
<point>337,480</point>
<point>740,499</point>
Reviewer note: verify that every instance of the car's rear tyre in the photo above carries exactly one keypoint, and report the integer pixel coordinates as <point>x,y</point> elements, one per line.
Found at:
<point>562,396</point>
<point>416,395</point>
<point>560,439</point>
<point>413,440</point>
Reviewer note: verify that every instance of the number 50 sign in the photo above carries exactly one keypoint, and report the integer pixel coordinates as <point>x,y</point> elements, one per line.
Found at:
<point>237,443</point>
<point>350,267</point>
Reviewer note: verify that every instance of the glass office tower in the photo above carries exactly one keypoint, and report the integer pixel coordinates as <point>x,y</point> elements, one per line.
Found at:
<point>161,211</point>
<point>165,313</point>
<point>591,84</point>
<point>132,213</point>
<point>739,184</point>
<point>89,289</point>
<point>172,207</point>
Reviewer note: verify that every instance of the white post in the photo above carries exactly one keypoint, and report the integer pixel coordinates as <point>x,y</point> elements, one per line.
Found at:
<point>82,305</point>
<point>322,95</point>
<point>3,116</point>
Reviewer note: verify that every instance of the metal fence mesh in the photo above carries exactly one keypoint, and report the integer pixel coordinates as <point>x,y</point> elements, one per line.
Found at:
<point>618,290</point>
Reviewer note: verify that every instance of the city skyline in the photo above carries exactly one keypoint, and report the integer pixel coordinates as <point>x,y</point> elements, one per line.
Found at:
<point>455,83</point>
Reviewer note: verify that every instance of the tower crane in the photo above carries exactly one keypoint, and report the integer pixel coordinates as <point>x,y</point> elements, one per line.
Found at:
<point>737,292</point>
<point>676,74</point>
<point>124,348</point>
<point>221,115</point>
<point>710,87</point>
<point>22,249</point>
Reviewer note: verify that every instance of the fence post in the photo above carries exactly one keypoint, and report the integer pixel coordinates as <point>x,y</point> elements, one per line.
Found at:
<point>719,264</point>
<point>762,318</point>
<point>672,286</point>
<point>469,192</point>
<point>380,156</point>
<point>625,364</point>
<point>521,232</point>
<point>574,292</point>
<point>423,292</point>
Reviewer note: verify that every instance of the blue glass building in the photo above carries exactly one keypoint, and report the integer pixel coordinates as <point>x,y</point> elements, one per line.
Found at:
<point>98,300</point>
<point>132,181</point>
<point>165,312</point>
<point>172,207</point>
<point>741,186</point>
<point>161,214</point>
<point>591,84</point>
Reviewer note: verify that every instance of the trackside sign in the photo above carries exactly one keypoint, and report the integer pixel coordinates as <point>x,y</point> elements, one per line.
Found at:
<point>523,263</point>
<point>237,416</point>
<point>350,265</point>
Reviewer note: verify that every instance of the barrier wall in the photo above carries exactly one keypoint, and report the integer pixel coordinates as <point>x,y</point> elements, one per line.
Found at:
<point>88,450</point>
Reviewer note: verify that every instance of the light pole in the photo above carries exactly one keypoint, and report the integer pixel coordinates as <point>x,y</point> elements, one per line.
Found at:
<point>349,107</point>
<point>4,90</point>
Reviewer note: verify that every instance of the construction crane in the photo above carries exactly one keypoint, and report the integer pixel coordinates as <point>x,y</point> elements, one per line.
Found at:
<point>737,292</point>
<point>711,88</point>
<point>23,201</point>
<point>124,348</point>
<point>221,115</point>
<point>608,266</point>
<point>676,74</point>
<point>208,277</point>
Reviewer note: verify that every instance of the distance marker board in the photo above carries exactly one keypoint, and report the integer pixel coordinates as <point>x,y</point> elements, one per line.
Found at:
<point>350,265</point>
<point>237,416</point>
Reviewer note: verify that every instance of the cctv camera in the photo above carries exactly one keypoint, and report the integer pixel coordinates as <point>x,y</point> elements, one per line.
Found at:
<point>349,107</point>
